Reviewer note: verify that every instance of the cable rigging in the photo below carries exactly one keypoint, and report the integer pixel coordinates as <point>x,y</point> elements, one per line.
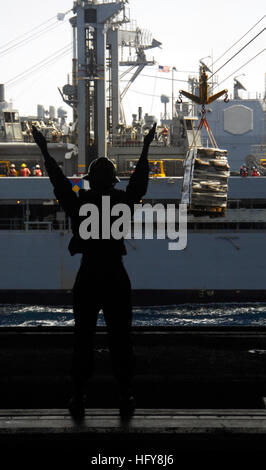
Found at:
<point>31,38</point>
<point>242,48</point>
<point>32,34</point>
<point>246,63</point>
<point>242,37</point>
<point>39,65</point>
<point>28,32</point>
<point>161,78</point>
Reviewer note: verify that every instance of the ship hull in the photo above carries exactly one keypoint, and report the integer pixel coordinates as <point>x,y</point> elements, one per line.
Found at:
<point>140,298</point>
<point>216,266</point>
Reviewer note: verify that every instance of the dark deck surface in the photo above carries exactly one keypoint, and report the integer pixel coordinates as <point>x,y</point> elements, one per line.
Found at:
<point>53,434</point>
<point>176,368</point>
<point>199,391</point>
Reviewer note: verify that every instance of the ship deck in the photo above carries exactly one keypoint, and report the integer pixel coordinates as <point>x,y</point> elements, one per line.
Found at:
<point>198,390</point>
<point>51,434</point>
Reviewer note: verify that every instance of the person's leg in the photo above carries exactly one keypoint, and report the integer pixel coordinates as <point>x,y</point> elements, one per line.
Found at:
<point>85,308</point>
<point>117,309</point>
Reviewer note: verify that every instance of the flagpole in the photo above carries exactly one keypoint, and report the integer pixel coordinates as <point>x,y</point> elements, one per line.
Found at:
<point>172,93</point>
<point>173,98</point>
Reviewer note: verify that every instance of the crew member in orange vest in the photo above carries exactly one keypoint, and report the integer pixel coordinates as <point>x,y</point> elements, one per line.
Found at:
<point>255,171</point>
<point>24,171</point>
<point>12,170</point>
<point>38,171</point>
<point>165,135</point>
<point>243,170</point>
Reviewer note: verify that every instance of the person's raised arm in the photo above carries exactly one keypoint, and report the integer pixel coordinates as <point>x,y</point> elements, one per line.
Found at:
<point>62,186</point>
<point>138,182</point>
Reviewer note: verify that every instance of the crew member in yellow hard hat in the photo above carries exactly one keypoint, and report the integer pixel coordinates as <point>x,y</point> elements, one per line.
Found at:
<point>24,171</point>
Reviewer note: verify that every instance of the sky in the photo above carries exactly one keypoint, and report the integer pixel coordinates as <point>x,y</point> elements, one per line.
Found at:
<point>188,31</point>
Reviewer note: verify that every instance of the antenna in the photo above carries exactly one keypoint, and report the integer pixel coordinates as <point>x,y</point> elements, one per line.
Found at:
<point>165,100</point>
<point>205,66</point>
<point>238,86</point>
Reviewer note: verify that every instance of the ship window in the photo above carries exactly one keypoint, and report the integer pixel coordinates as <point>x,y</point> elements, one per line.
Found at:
<point>90,15</point>
<point>11,117</point>
<point>188,124</point>
<point>8,117</point>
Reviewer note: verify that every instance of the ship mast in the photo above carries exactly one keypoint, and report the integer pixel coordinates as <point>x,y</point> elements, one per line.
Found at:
<point>93,20</point>
<point>95,94</point>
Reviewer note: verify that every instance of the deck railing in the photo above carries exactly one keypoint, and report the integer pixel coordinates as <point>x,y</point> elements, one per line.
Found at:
<point>119,140</point>
<point>34,225</point>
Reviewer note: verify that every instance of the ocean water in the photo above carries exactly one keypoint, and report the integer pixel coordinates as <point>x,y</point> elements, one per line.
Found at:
<point>213,314</point>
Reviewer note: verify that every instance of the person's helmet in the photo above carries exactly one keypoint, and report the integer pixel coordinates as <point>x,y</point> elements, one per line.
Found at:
<point>102,173</point>
<point>37,166</point>
<point>12,165</point>
<point>23,165</point>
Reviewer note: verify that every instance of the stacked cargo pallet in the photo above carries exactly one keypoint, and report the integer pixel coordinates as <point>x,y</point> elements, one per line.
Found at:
<point>205,184</point>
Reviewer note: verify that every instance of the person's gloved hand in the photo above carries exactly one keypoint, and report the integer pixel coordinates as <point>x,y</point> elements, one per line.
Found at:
<point>150,136</point>
<point>39,139</point>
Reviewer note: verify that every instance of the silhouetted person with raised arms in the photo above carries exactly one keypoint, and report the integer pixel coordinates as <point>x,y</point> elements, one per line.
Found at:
<point>102,281</point>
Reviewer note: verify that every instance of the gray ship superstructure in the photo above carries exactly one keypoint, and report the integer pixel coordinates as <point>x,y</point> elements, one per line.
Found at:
<point>224,256</point>
<point>237,126</point>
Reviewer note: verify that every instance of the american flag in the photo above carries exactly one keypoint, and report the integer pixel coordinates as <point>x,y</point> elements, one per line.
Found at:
<point>164,68</point>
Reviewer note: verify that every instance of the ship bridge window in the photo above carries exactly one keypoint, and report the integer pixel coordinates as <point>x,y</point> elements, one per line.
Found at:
<point>11,117</point>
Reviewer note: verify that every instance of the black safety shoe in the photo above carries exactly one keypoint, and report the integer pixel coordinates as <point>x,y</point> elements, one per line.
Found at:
<point>76,406</point>
<point>127,403</point>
